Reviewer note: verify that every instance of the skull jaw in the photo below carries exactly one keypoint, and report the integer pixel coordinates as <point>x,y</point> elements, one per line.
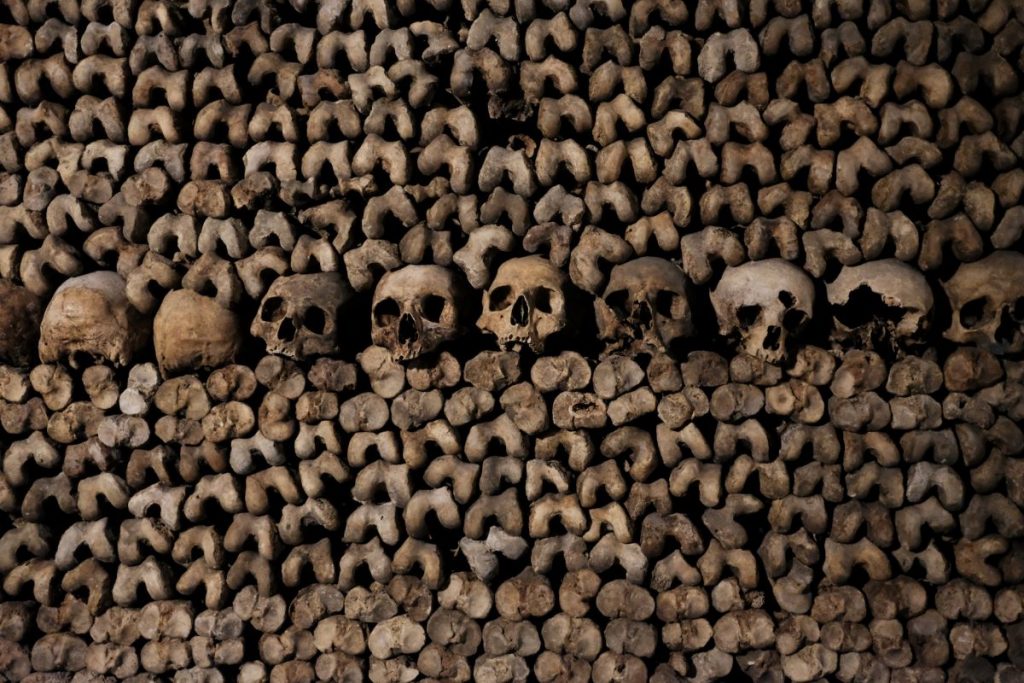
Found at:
<point>997,337</point>
<point>641,337</point>
<point>410,338</point>
<point>516,338</point>
<point>81,355</point>
<point>640,331</point>
<point>887,337</point>
<point>523,330</point>
<point>300,344</point>
<point>517,342</point>
<point>767,344</point>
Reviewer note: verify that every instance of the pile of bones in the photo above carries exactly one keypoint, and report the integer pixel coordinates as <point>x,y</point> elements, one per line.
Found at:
<point>507,340</point>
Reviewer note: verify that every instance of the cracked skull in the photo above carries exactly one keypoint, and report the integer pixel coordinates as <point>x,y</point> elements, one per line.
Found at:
<point>525,303</point>
<point>987,297</point>
<point>298,316</point>
<point>90,317</point>
<point>645,306</point>
<point>415,309</point>
<point>881,304</point>
<point>764,303</point>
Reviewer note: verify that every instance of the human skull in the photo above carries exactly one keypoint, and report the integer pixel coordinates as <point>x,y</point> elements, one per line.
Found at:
<point>645,307</point>
<point>525,303</point>
<point>416,309</point>
<point>881,304</point>
<point>988,303</point>
<point>764,303</point>
<point>194,331</point>
<point>89,316</point>
<point>20,313</point>
<point>298,316</point>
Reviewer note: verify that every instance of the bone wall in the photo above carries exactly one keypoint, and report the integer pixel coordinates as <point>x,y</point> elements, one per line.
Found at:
<point>508,340</point>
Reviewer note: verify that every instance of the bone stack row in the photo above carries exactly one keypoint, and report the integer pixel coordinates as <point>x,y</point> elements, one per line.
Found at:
<point>555,340</point>
<point>512,518</point>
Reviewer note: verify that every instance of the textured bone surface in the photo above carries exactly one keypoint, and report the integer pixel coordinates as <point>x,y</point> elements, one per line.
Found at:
<point>488,340</point>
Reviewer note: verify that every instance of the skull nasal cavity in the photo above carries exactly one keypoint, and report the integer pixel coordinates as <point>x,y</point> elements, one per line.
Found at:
<point>520,312</point>
<point>407,329</point>
<point>643,313</point>
<point>286,330</point>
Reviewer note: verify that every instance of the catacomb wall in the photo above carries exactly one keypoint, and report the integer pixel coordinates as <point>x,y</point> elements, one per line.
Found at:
<point>554,340</point>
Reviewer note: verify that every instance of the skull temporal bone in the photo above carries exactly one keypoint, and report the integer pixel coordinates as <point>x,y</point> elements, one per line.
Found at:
<point>646,305</point>
<point>988,303</point>
<point>298,316</point>
<point>416,309</point>
<point>525,303</point>
<point>764,303</point>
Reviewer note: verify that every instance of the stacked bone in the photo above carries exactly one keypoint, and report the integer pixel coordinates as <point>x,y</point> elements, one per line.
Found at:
<point>562,340</point>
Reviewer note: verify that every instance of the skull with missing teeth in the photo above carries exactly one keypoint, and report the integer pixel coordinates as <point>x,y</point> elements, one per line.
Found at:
<point>880,304</point>
<point>298,317</point>
<point>645,307</point>
<point>988,303</point>
<point>763,303</point>
<point>525,304</point>
<point>415,310</point>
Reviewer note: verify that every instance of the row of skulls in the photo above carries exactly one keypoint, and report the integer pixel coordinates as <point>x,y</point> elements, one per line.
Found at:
<point>647,306</point>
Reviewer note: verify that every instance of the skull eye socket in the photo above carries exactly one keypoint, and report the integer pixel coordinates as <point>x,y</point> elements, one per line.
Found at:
<point>500,298</point>
<point>1017,311</point>
<point>433,308</point>
<point>273,309</point>
<point>617,302</point>
<point>667,304</point>
<point>386,312</point>
<point>314,320</point>
<point>748,315</point>
<point>542,299</point>
<point>973,312</point>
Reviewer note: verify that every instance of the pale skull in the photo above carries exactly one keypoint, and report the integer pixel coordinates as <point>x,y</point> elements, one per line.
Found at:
<point>299,315</point>
<point>885,305</point>
<point>525,303</point>
<point>415,310</point>
<point>90,317</point>
<point>987,297</point>
<point>194,331</point>
<point>645,307</point>
<point>764,304</point>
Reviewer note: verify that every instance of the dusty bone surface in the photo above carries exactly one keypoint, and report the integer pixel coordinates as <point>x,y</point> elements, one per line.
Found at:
<point>556,340</point>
